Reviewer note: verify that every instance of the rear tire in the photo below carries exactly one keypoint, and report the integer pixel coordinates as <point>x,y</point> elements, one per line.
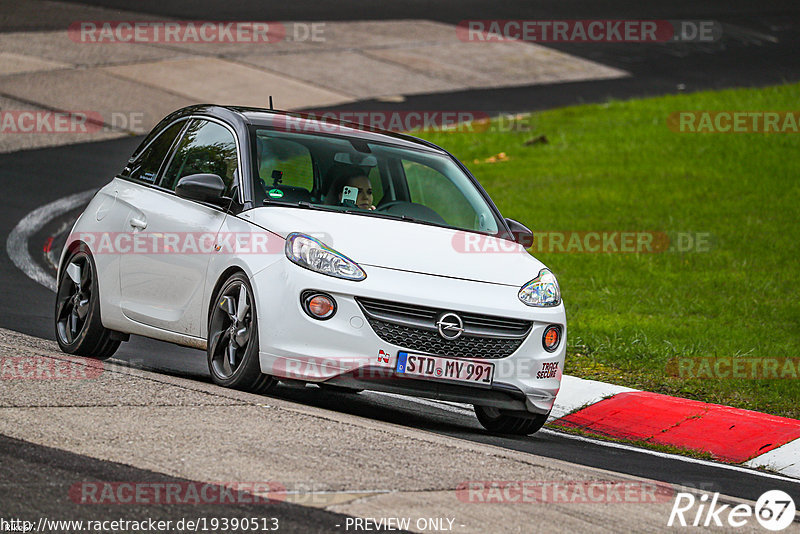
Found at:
<point>233,338</point>
<point>497,422</point>
<point>79,329</point>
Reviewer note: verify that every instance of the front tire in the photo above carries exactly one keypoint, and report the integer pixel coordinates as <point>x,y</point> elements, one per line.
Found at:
<point>77,315</point>
<point>497,422</point>
<point>233,338</point>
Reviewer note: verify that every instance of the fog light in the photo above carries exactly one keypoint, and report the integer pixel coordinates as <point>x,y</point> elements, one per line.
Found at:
<point>318,305</point>
<point>551,338</point>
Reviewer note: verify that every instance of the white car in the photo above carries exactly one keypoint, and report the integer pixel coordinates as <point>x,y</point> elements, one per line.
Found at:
<point>298,250</point>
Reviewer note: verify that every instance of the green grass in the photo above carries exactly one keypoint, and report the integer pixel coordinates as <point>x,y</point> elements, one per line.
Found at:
<point>617,166</point>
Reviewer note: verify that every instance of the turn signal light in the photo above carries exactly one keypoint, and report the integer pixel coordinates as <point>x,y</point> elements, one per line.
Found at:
<point>551,338</point>
<point>318,305</point>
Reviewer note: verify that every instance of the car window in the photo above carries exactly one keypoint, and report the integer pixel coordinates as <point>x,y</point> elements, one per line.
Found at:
<point>144,167</point>
<point>458,205</point>
<point>432,189</point>
<point>206,147</point>
<point>407,183</point>
<point>283,162</point>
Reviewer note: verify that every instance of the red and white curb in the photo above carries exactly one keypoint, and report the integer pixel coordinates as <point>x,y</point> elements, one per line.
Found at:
<point>730,435</point>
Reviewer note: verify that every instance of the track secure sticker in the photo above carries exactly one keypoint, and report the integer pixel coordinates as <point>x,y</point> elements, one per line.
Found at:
<point>549,370</point>
<point>275,193</point>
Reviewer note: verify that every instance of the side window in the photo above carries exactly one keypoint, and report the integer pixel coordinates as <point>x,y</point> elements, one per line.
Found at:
<point>206,147</point>
<point>288,160</point>
<point>145,166</point>
<point>433,189</point>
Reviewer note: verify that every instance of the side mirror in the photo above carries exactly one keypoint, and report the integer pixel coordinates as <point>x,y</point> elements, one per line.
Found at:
<point>202,187</point>
<point>522,234</point>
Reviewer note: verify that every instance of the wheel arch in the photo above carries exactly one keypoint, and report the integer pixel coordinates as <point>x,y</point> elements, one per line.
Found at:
<point>69,249</point>
<point>221,279</point>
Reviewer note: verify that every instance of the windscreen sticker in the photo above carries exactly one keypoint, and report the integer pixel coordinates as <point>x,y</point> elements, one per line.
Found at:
<point>275,193</point>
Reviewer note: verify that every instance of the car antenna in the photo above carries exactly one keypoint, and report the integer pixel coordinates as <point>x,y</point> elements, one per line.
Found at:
<point>270,103</point>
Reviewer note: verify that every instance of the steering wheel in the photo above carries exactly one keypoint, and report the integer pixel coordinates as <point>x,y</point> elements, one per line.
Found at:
<point>412,210</point>
<point>391,204</point>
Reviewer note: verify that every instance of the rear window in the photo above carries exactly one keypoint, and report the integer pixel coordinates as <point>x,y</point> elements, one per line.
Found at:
<point>145,166</point>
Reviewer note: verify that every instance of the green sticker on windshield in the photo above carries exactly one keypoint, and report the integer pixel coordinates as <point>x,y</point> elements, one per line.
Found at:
<point>275,193</point>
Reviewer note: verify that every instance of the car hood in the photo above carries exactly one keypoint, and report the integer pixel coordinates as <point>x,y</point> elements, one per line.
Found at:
<point>404,245</point>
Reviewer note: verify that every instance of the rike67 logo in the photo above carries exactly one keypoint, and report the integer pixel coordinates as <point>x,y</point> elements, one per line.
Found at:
<point>775,510</point>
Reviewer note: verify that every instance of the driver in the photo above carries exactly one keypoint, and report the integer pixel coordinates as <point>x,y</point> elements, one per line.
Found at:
<point>341,176</point>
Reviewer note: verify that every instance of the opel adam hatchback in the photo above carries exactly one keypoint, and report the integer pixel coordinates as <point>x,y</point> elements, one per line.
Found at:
<point>294,249</point>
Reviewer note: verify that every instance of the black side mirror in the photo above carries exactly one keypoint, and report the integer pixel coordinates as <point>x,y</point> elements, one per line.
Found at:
<point>202,187</point>
<point>522,234</point>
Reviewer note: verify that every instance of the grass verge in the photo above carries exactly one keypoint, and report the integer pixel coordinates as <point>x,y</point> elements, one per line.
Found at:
<point>618,167</point>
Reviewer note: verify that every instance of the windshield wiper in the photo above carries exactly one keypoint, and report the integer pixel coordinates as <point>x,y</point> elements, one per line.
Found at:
<point>371,213</point>
<point>300,204</point>
<point>309,205</point>
<point>384,215</point>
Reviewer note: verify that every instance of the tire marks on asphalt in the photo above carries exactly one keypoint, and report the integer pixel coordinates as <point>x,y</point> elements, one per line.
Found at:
<point>17,242</point>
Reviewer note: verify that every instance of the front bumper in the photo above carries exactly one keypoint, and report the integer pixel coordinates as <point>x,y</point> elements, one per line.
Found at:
<point>345,350</point>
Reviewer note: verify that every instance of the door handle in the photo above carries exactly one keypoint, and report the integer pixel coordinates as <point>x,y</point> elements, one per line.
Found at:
<point>137,223</point>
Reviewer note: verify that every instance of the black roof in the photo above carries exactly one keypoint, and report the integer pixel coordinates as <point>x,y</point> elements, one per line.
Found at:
<point>290,121</point>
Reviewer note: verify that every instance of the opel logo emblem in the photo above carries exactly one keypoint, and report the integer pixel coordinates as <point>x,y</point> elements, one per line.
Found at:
<point>450,326</point>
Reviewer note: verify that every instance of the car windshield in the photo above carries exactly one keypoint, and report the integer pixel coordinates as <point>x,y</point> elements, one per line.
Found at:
<point>366,178</point>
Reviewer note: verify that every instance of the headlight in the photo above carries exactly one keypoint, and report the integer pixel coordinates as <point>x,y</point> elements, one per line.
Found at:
<point>312,254</point>
<point>542,291</point>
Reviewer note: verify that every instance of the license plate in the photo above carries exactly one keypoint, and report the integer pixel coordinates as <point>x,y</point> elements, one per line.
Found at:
<point>472,372</point>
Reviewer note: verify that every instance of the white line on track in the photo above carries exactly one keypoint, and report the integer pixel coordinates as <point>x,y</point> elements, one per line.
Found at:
<point>659,454</point>
<point>464,409</point>
<point>17,243</point>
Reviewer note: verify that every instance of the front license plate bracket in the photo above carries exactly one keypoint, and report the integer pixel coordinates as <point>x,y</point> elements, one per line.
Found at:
<point>462,371</point>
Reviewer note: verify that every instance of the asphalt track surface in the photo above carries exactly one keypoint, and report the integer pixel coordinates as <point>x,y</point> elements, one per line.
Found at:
<point>45,477</point>
<point>33,178</point>
<point>758,46</point>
